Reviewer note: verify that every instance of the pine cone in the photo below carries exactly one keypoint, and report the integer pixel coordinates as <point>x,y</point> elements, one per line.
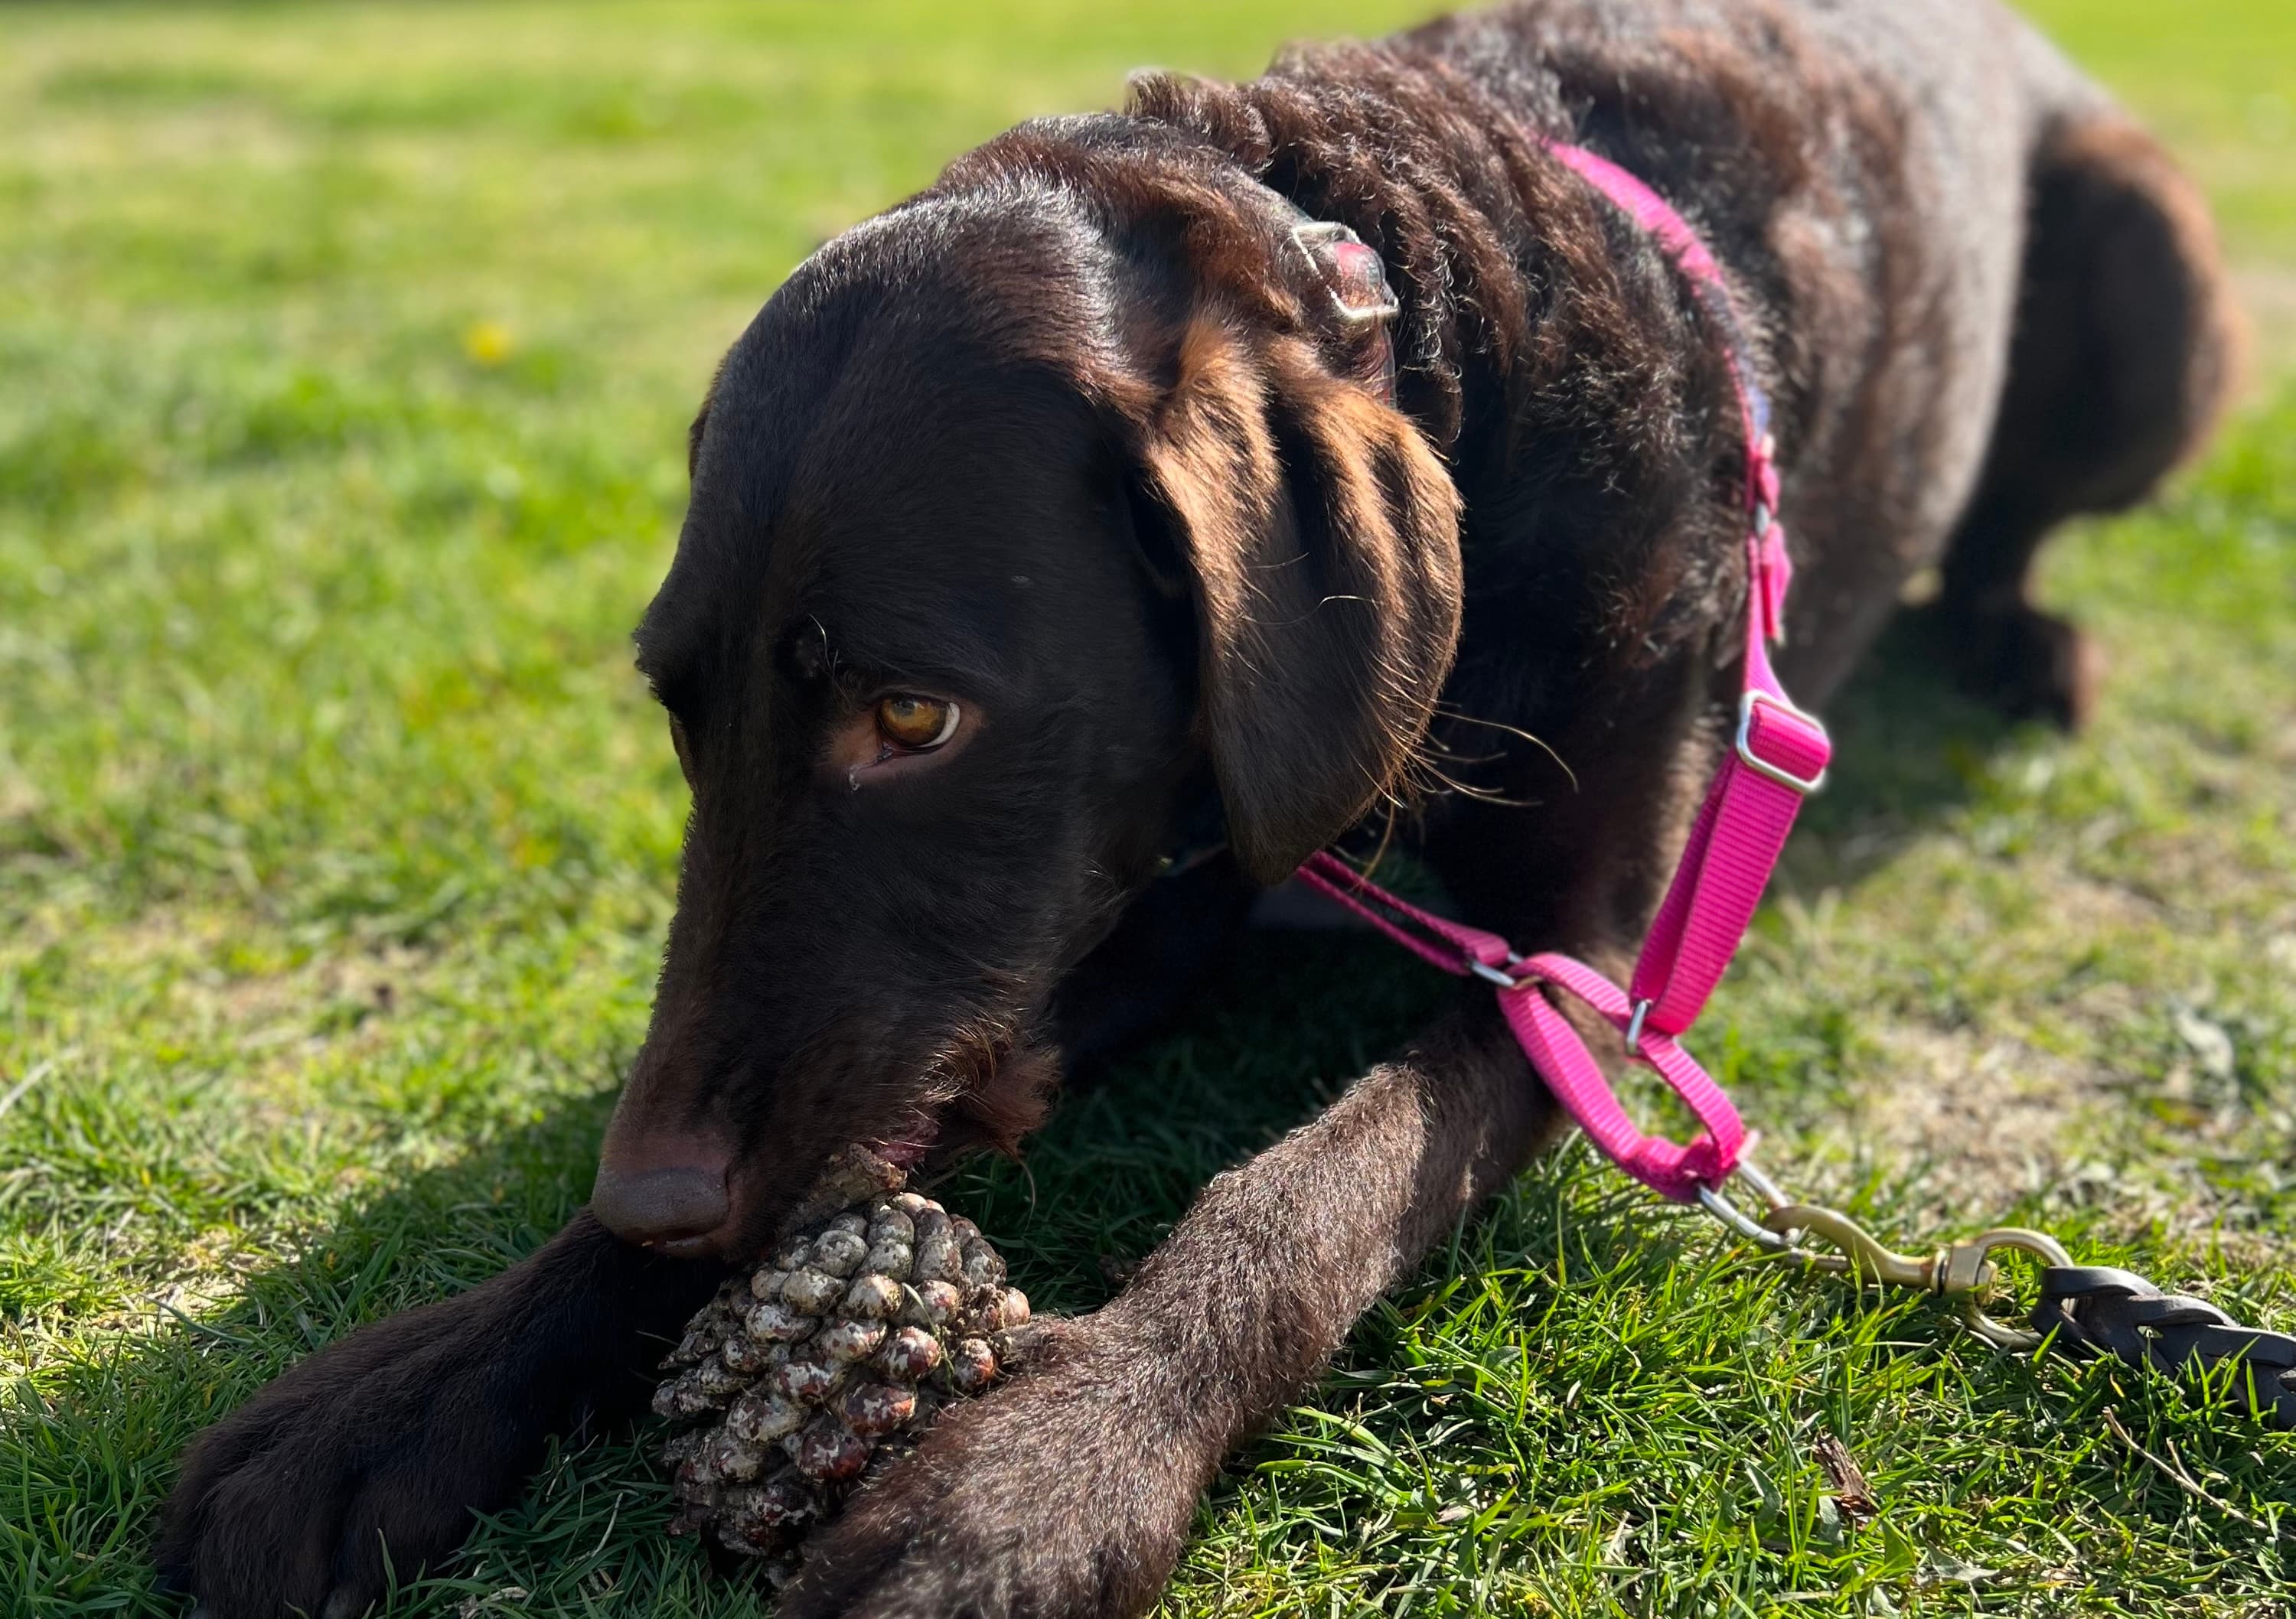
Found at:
<point>827,1359</point>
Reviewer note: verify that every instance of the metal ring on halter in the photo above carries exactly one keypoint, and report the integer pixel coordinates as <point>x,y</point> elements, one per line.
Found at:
<point>1310,235</point>
<point>1497,975</point>
<point>1715,1202</point>
<point>1635,1027</point>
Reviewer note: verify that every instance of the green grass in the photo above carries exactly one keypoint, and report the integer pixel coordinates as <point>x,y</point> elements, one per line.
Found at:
<point>345,356</point>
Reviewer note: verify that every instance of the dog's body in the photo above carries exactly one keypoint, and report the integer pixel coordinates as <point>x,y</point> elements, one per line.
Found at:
<point>1037,513</point>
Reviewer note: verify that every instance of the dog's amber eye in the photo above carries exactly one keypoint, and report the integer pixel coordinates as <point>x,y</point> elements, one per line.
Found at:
<point>918,724</point>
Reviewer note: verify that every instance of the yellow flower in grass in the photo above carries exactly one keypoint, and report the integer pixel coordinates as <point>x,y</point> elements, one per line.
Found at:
<point>487,342</point>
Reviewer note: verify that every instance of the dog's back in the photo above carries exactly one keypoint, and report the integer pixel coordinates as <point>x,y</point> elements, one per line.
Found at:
<point>1982,300</point>
<point>1914,192</point>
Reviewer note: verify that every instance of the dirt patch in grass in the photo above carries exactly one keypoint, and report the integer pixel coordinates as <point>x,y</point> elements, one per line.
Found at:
<point>1991,1117</point>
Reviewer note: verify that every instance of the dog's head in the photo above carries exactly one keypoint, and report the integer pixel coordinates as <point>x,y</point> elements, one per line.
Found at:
<point>1015,512</point>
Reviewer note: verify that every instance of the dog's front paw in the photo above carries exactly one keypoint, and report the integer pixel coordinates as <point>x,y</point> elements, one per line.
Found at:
<point>370,1457</point>
<point>1066,1492</point>
<point>378,1447</point>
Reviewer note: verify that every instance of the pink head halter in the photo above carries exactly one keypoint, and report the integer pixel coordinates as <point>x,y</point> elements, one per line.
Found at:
<point>1779,758</point>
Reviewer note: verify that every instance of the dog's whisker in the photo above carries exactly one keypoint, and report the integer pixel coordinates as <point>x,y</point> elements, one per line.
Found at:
<point>1459,717</point>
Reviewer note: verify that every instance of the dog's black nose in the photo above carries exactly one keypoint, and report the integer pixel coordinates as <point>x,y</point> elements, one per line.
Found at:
<point>659,1206</point>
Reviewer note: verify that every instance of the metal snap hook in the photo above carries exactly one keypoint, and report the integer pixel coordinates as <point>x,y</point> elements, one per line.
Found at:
<point>1969,1259</point>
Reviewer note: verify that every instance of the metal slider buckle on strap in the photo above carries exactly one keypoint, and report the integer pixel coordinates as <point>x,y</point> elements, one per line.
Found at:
<point>1755,697</point>
<point>1959,1271</point>
<point>1505,980</point>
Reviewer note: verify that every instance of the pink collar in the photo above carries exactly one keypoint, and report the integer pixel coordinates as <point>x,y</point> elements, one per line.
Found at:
<point>1779,758</point>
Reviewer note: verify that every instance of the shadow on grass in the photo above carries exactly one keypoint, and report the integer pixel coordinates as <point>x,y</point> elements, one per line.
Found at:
<point>1909,747</point>
<point>1294,1019</point>
<point>97,1441</point>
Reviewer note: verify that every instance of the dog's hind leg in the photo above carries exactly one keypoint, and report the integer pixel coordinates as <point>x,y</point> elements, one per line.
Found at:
<point>2125,348</point>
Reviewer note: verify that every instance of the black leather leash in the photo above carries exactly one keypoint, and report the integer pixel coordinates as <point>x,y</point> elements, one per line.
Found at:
<point>2086,1311</point>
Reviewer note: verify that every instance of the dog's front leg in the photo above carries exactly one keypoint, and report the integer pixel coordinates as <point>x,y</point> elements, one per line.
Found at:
<point>377,1449</point>
<point>1070,1490</point>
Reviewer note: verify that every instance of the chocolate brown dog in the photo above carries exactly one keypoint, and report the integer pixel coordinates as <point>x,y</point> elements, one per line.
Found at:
<point>1062,508</point>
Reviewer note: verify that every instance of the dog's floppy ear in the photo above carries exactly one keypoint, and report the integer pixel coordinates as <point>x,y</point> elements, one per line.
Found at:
<point>1321,535</point>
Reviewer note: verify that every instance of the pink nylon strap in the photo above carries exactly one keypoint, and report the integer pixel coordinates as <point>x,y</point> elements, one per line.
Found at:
<point>1469,947</point>
<point>1658,220</point>
<point>1778,757</point>
<point>1550,1040</point>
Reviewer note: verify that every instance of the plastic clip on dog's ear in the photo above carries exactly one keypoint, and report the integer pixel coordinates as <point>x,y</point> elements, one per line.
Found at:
<point>1349,270</point>
<point>1356,278</point>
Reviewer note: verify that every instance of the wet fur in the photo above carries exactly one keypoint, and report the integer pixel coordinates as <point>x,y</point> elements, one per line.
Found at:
<point>1277,587</point>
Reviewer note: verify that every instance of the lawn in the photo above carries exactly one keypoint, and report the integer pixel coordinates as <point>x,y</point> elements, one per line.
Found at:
<point>345,360</point>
